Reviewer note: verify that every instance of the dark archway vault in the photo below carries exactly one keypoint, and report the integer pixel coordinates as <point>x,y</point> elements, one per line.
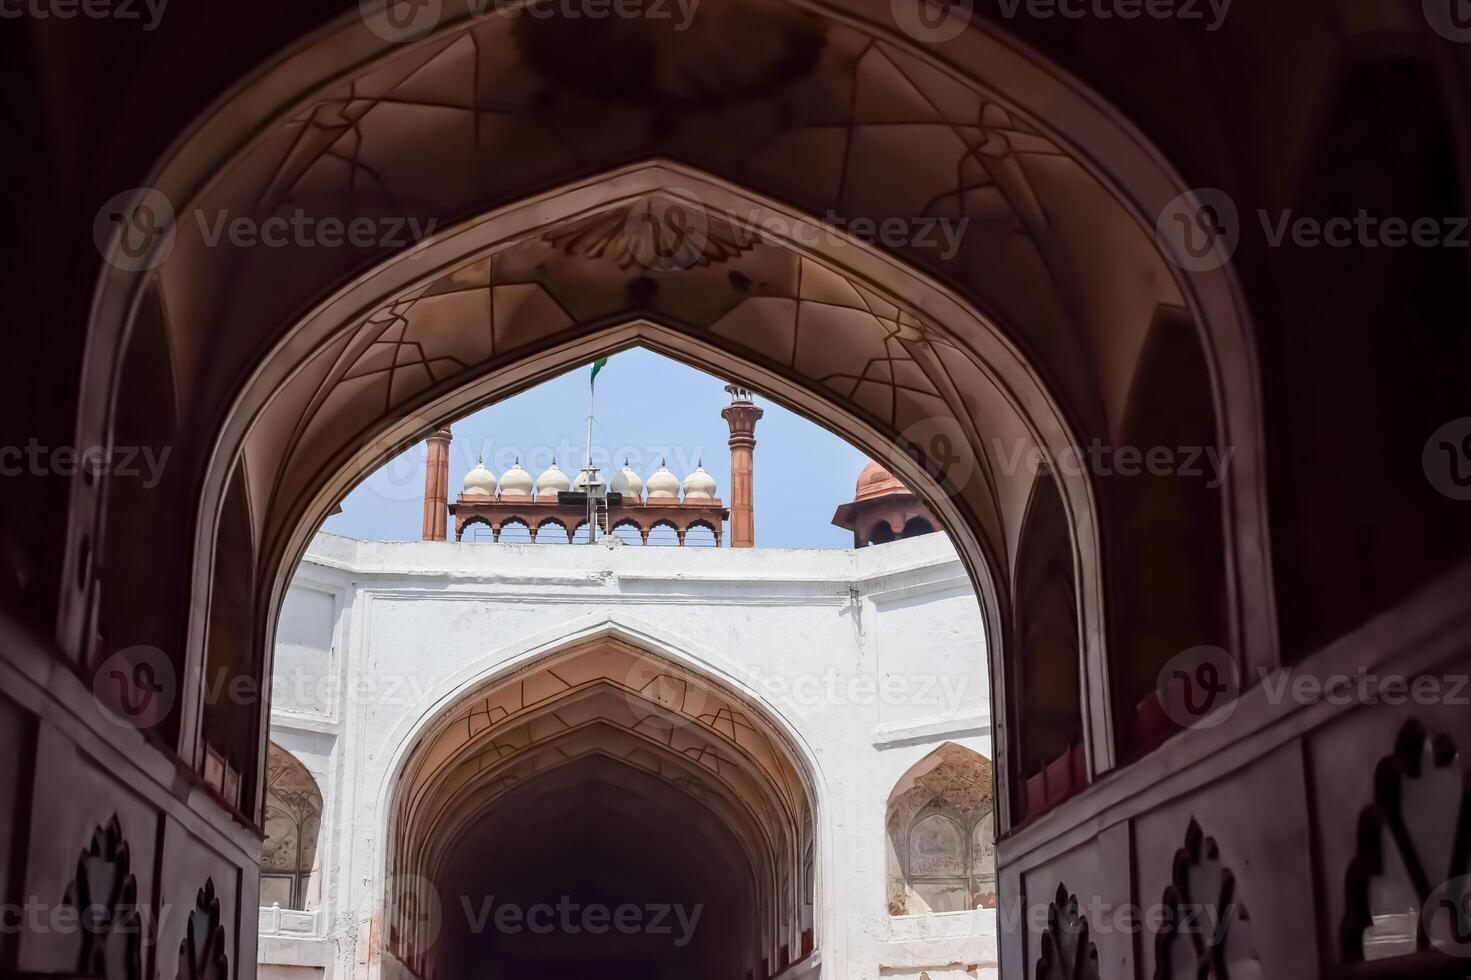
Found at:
<point>598,870</point>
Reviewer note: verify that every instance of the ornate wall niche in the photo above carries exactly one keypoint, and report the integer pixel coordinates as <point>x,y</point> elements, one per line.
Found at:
<point>941,835</point>
<point>1407,886</point>
<point>104,894</point>
<point>293,822</point>
<point>1208,933</point>
<point>1067,951</point>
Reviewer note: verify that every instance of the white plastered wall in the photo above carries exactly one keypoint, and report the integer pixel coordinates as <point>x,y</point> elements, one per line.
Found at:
<point>867,660</point>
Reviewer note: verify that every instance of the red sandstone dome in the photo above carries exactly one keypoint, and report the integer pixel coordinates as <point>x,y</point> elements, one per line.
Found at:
<point>877,481</point>
<point>883,509</point>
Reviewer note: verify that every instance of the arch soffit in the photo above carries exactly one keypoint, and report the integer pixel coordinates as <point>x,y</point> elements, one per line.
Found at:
<point>1040,103</point>
<point>438,707</point>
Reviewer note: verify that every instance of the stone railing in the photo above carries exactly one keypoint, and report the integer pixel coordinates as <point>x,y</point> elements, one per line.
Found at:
<point>292,923</point>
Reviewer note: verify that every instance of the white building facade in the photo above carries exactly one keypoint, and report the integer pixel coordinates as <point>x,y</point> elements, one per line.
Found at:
<point>865,667</point>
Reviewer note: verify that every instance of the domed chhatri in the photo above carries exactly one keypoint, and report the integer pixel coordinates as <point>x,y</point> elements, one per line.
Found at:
<point>480,481</point>
<point>516,481</point>
<point>877,481</point>
<point>627,482</point>
<point>883,510</point>
<point>699,485</point>
<point>620,500</point>
<point>552,482</point>
<point>663,483</point>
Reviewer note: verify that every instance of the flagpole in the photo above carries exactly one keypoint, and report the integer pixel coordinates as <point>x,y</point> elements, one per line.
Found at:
<point>592,507</point>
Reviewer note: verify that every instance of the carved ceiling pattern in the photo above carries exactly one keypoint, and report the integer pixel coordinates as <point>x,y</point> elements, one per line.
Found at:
<point>1408,883</point>
<point>105,895</point>
<point>459,123</point>
<point>958,780</point>
<point>293,823</point>
<point>486,728</point>
<point>601,698</point>
<point>850,127</point>
<point>288,781</point>
<point>774,306</point>
<point>1208,934</point>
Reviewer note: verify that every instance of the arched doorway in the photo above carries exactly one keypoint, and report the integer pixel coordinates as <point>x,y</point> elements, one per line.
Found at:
<point>599,810</point>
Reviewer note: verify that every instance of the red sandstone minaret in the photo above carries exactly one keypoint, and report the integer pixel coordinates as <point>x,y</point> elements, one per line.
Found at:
<point>436,486</point>
<point>742,416</point>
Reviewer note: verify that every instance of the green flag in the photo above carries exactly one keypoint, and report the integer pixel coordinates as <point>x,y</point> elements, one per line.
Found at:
<point>597,366</point>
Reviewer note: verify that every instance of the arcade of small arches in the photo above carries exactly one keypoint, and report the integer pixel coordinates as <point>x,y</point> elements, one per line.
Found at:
<point>555,502</point>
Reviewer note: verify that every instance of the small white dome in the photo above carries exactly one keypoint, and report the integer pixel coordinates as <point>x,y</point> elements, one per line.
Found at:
<point>627,482</point>
<point>480,481</point>
<point>552,482</point>
<point>699,485</point>
<point>516,482</point>
<point>663,483</point>
<point>581,481</point>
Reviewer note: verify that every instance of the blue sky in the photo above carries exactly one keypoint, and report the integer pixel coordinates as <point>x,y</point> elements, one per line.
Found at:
<point>648,408</point>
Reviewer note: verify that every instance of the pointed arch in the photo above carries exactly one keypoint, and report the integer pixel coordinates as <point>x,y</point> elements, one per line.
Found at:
<point>940,834</point>
<point>291,873</point>
<point>607,702</point>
